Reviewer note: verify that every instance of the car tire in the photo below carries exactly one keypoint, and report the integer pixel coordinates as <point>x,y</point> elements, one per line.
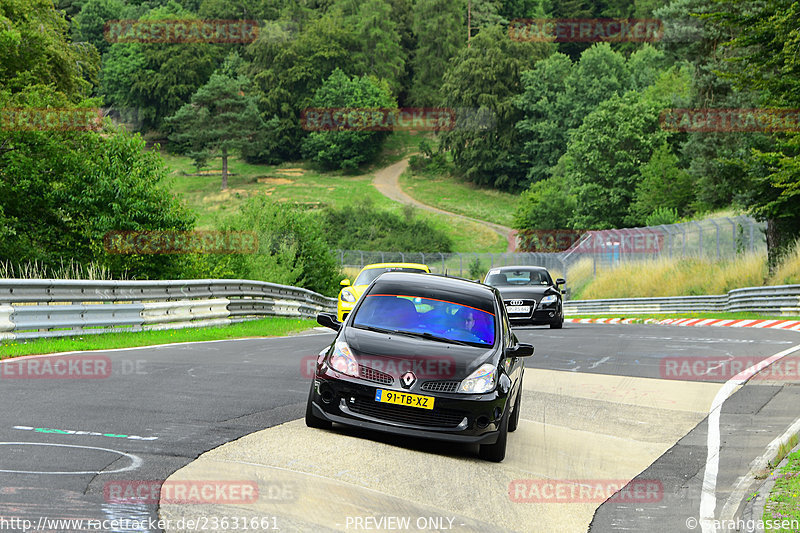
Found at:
<point>496,452</point>
<point>312,420</point>
<point>557,325</point>
<point>514,422</point>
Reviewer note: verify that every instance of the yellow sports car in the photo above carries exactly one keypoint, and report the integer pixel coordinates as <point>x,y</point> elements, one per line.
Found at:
<point>350,294</point>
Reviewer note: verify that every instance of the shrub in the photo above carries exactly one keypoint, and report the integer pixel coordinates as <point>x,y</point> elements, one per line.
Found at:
<point>364,227</point>
<point>291,248</point>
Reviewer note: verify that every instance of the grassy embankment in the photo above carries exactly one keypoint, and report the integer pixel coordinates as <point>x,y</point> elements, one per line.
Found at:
<point>298,183</point>
<point>782,504</point>
<point>680,277</point>
<point>451,194</point>
<point>266,327</point>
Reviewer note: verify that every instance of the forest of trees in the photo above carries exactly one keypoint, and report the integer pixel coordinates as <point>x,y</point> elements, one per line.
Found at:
<point>576,125</point>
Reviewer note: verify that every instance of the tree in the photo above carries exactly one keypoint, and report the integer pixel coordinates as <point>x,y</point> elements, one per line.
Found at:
<point>288,71</point>
<point>380,55</point>
<point>347,149</point>
<point>220,118</point>
<point>558,94</point>
<point>62,192</point>
<point>764,57</point>
<point>89,23</point>
<point>484,80</point>
<point>156,79</point>
<point>440,29</point>
<point>602,164</point>
<point>34,50</point>
<point>547,204</point>
<point>546,116</point>
<point>663,185</point>
<point>292,249</point>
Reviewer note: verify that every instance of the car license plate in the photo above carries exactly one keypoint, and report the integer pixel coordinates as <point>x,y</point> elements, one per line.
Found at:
<point>518,308</point>
<point>401,398</point>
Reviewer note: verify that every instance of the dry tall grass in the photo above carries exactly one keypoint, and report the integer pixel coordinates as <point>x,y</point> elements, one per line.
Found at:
<point>788,271</point>
<point>676,277</point>
<point>71,270</point>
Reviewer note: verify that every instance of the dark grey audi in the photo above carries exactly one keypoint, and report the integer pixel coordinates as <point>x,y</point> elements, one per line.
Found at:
<point>530,295</point>
<point>423,356</point>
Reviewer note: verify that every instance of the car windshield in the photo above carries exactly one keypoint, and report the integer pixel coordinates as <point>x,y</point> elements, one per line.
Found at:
<point>497,278</point>
<point>432,317</point>
<point>366,276</point>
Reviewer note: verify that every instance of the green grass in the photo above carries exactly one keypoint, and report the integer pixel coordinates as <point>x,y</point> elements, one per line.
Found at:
<point>721,315</point>
<point>266,327</point>
<point>305,186</point>
<point>782,503</point>
<point>456,196</point>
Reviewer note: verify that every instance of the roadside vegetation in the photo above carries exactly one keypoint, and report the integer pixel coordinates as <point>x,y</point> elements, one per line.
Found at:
<point>266,327</point>
<point>449,193</point>
<point>576,129</point>
<point>680,277</point>
<point>782,502</point>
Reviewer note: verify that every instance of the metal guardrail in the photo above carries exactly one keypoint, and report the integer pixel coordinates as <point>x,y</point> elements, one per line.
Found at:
<point>779,300</point>
<point>33,308</point>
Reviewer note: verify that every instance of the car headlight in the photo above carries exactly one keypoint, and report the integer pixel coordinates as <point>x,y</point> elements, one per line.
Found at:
<point>482,380</point>
<point>342,360</point>
<point>348,296</point>
<point>549,299</point>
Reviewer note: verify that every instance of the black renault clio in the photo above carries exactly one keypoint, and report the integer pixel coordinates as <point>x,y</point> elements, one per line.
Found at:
<point>424,356</point>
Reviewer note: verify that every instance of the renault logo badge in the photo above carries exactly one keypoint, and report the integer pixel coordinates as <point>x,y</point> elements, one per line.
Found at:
<point>408,379</point>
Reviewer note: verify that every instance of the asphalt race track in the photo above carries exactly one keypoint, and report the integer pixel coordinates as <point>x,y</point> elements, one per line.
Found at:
<point>603,405</point>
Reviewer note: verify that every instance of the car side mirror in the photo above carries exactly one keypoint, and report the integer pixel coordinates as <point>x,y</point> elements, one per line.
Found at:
<point>329,321</point>
<point>560,281</point>
<point>345,282</point>
<point>520,350</point>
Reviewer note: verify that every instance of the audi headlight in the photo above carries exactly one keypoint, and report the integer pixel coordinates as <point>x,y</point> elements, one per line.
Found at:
<point>348,296</point>
<point>342,360</point>
<point>480,381</point>
<point>549,299</point>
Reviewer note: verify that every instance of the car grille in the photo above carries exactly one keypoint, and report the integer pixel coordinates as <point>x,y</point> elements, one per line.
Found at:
<point>530,303</point>
<point>447,418</point>
<point>377,376</point>
<point>440,386</point>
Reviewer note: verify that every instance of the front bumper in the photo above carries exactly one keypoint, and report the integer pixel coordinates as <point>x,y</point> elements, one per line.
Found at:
<point>343,309</point>
<point>454,418</point>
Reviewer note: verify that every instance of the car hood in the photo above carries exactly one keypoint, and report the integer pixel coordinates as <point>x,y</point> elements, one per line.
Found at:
<point>526,293</point>
<point>429,360</point>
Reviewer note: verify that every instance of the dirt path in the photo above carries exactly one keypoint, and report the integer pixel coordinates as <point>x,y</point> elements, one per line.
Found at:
<point>387,182</point>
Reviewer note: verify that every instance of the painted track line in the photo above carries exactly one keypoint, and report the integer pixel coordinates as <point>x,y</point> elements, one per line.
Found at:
<point>708,496</point>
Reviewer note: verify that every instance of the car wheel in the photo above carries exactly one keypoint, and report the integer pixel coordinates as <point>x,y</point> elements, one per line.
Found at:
<point>557,325</point>
<point>312,420</point>
<point>496,452</point>
<point>514,422</point>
